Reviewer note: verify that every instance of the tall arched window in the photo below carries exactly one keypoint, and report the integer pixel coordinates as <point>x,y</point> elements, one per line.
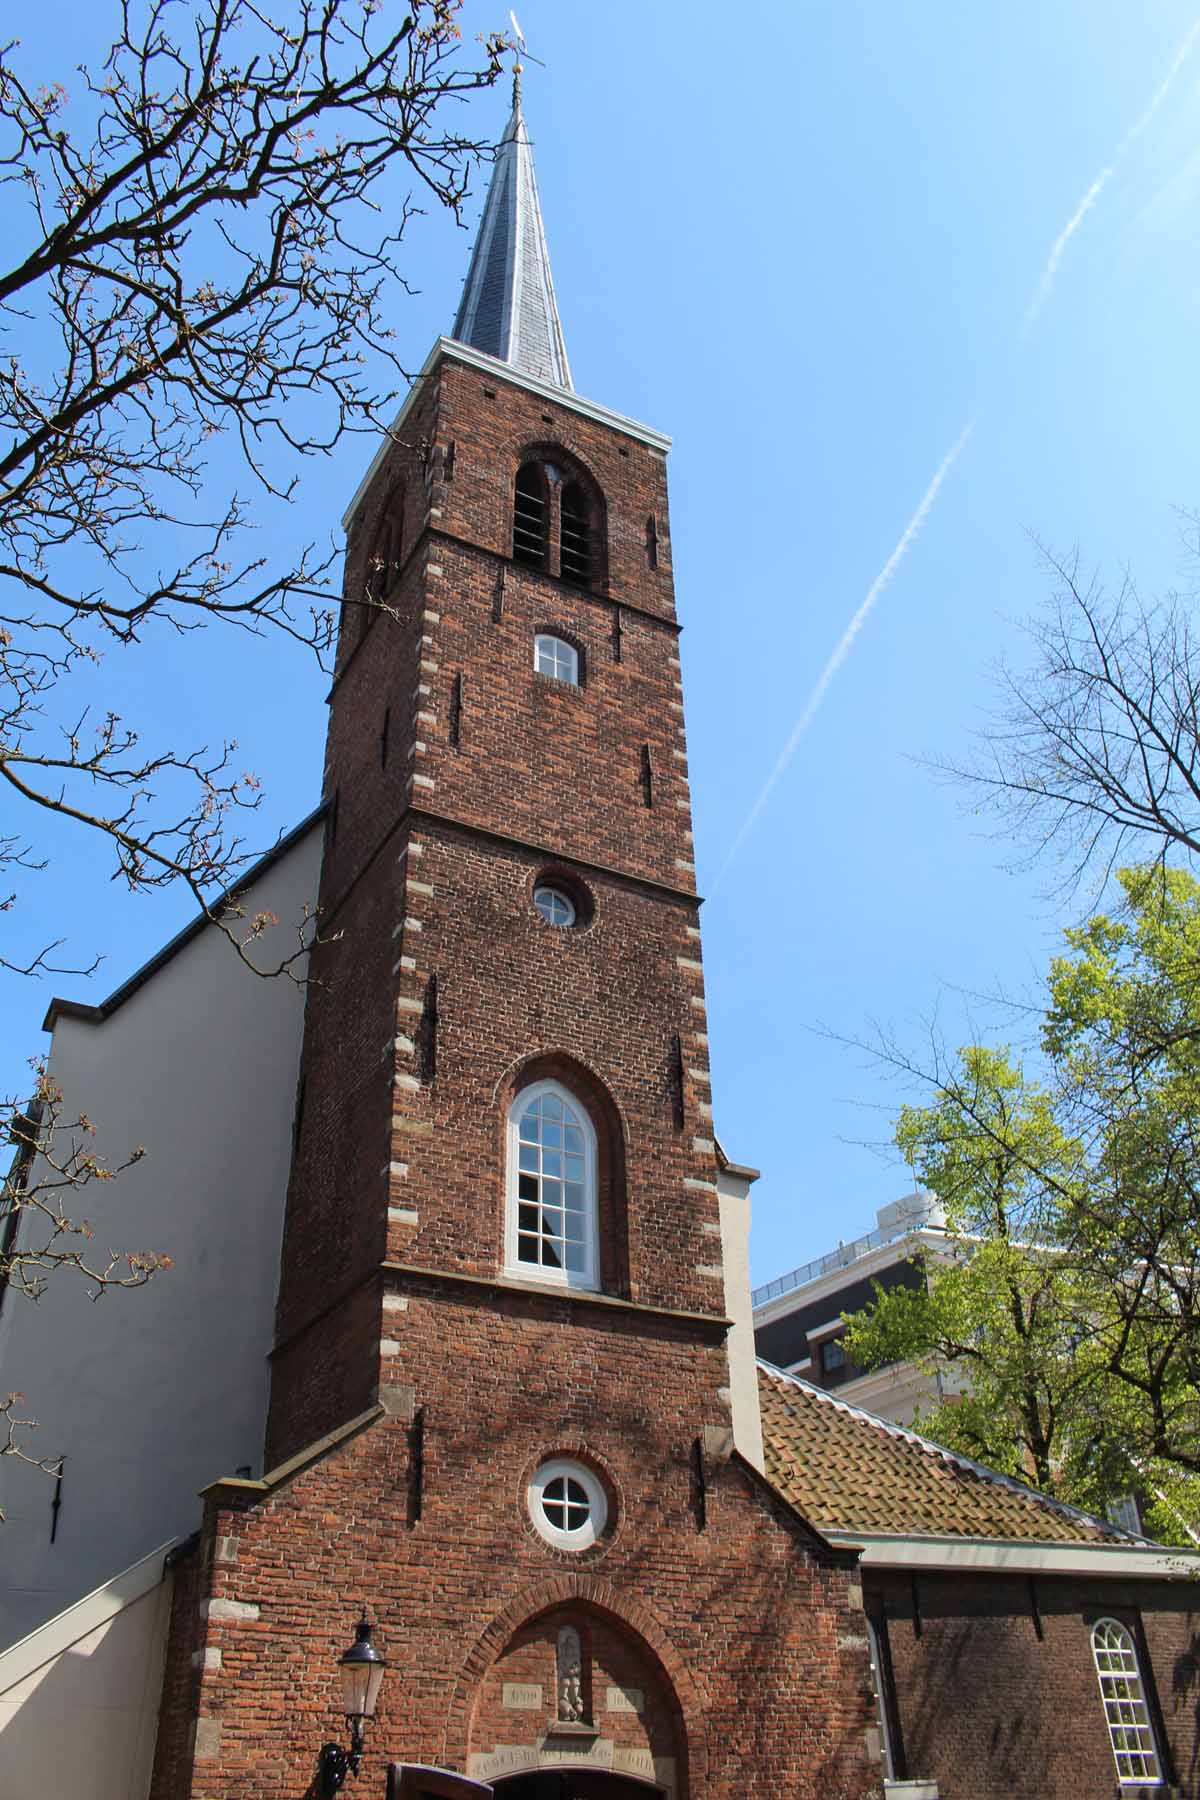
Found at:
<point>379,563</point>
<point>550,1227</point>
<point>383,564</point>
<point>1129,1729</point>
<point>531,515</point>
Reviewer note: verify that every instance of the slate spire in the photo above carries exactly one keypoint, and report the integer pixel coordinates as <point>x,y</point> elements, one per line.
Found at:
<point>508,307</point>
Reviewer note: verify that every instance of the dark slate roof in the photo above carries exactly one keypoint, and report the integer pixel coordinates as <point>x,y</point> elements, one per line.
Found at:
<point>508,307</point>
<point>846,1470</point>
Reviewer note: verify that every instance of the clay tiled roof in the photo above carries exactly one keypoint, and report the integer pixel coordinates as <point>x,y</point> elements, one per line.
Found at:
<point>846,1470</point>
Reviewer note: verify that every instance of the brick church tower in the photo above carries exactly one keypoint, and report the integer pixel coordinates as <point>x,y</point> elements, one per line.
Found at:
<point>505,1414</point>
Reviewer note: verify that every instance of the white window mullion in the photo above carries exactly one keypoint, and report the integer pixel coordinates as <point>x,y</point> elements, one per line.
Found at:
<point>551,1226</point>
<point>1126,1713</point>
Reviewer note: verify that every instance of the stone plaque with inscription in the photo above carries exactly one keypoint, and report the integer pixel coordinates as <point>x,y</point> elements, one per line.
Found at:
<point>553,1751</point>
<point>595,1752</point>
<point>524,1694</point>
<point>505,1759</point>
<point>625,1699</point>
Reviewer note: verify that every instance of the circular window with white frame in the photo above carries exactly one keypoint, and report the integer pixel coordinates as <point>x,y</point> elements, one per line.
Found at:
<point>561,899</point>
<point>554,904</point>
<point>567,1504</point>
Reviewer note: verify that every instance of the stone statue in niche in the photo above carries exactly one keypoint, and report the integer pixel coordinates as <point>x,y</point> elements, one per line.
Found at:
<point>570,1677</point>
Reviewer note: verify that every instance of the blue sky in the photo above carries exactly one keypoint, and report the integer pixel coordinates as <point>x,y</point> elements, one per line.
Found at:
<point>804,241</point>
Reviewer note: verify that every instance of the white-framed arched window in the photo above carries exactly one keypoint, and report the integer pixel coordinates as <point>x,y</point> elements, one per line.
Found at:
<point>553,656</point>
<point>1129,1729</point>
<point>550,1223</point>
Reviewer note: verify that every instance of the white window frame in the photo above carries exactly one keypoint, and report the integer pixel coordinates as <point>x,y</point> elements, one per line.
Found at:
<point>887,1756</point>
<point>560,894</point>
<point>589,1275</point>
<point>1127,1714</point>
<point>561,1468</point>
<point>556,647</point>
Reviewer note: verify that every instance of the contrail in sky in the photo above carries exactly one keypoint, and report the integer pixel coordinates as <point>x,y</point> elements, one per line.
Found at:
<point>1046,279</point>
<point>1038,299</point>
<point>813,703</point>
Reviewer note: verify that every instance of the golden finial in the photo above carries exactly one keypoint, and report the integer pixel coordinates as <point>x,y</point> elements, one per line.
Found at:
<point>522,49</point>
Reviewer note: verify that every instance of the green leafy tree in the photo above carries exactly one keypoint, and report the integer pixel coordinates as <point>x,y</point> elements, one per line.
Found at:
<point>1069,1295</point>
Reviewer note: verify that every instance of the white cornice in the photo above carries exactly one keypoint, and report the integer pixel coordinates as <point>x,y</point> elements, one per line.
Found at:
<point>882,1550</point>
<point>860,1268</point>
<point>491,366</point>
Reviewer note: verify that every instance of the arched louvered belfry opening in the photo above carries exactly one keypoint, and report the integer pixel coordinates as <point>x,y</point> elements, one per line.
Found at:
<point>559,517</point>
<point>576,535</point>
<point>531,515</point>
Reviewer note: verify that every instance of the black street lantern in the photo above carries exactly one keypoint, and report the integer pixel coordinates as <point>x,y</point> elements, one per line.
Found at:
<point>362,1668</point>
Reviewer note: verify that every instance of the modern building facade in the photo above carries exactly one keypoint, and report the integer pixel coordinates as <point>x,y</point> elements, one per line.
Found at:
<point>800,1318</point>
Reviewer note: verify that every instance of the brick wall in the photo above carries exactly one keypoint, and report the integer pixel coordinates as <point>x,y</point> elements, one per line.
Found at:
<point>745,1638</point>
<point>997,1689</point>
<point>486,776</point>
<point>743,1629</point>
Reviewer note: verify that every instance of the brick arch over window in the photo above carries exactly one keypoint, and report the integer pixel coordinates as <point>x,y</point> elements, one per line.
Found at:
<point>585,1594</point>
<point>560,516</point>
<point>387,546</point>
<point>609,1128</point>
<point>373,567</point>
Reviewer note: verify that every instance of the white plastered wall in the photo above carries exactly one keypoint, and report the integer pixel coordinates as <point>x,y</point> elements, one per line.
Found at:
<point>733,1196</point>
<point>79,1698</point>
<point>150,1394</point>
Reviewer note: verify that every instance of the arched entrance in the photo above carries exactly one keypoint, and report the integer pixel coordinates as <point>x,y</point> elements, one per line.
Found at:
<point>577,1706</point>
<point>574,1784</point>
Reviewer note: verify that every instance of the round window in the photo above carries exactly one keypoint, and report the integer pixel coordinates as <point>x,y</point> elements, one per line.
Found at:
<point>567,1505</point>
<point>555,907</point>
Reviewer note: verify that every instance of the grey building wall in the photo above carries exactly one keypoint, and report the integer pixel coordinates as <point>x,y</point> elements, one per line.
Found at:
<point>150,1394</point>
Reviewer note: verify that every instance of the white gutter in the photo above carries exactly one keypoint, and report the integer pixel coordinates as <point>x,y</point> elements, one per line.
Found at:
<point>882,1550</point>
<point>502,371</point>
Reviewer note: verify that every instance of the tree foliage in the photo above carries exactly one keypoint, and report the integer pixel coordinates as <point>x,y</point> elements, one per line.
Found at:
<point>1069,1298</point>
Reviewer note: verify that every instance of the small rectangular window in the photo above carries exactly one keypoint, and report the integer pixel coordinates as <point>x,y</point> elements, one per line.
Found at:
<point>555,657</point>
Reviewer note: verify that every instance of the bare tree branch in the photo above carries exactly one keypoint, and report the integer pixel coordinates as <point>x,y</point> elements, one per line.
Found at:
<point>202,261</point>
<point>1094,756</point>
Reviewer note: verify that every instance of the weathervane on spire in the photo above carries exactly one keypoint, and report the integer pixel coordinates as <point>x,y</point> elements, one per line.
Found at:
<point>508,309</point>
<point>522,49</point>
